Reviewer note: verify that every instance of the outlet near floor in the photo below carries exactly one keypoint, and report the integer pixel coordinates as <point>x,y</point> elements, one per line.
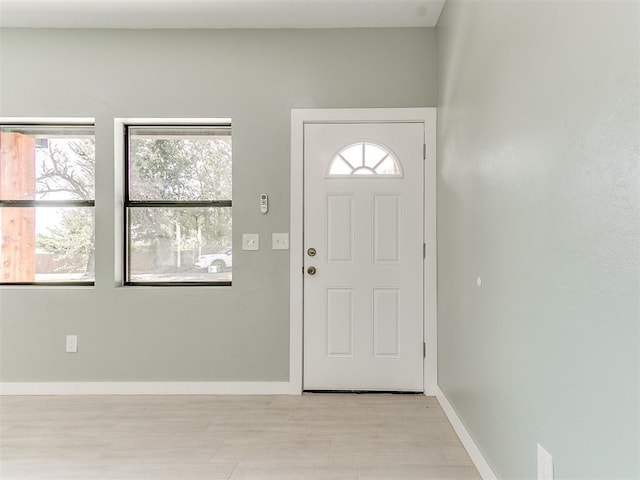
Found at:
<point>72,344</point>
<point>545,464</point>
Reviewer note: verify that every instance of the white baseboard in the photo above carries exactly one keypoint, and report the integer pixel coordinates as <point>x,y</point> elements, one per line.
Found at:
<point>148,388</point>
<point>481,464</point>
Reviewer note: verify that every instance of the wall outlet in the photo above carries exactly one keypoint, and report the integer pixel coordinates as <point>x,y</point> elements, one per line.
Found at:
<point>72,344</point>
<point>545,464</point>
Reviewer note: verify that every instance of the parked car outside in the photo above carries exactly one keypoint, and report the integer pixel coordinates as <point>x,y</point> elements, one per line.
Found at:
<point>219,261</point>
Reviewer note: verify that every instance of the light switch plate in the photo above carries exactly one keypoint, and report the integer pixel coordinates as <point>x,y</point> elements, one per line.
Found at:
<point>280,241</point>
<point>251,241</point>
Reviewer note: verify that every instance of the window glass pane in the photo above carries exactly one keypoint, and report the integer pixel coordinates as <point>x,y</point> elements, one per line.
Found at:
<point>353,155</point>
<point>180,244</point>
<point>373,154</point>
<point>179,163</point>
<point>340,167</point>
<point>47,244</point>
<point>388,167</point>
<point>47,163</point>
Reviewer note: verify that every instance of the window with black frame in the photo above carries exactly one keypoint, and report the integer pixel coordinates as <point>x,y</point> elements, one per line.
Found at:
<point>47,192</point>
<point>178,205</point>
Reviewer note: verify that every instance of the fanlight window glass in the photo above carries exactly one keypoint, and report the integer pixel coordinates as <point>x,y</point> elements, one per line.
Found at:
<point>365,159</point>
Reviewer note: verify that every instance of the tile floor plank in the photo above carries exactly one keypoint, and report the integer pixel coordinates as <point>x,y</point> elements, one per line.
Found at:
<point>262,437</point>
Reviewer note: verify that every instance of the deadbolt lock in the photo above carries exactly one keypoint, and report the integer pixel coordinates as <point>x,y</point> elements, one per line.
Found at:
<point>311,252</point>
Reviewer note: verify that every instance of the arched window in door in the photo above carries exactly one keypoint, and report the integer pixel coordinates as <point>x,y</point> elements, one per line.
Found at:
<point>365,159</point>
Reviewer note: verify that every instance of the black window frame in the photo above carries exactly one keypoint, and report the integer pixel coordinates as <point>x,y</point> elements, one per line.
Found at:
<point>128,204</point>
<point>50,203</point>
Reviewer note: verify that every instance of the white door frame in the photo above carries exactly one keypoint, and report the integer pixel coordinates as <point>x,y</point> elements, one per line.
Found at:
<point>298,119</point>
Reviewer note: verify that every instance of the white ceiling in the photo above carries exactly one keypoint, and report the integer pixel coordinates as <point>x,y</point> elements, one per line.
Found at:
<point>219,13</point>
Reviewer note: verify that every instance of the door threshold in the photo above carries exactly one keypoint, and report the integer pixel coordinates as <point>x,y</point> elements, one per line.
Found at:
<point>363,392</point>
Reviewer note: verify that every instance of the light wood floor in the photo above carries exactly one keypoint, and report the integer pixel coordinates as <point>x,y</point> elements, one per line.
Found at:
<point>309,437</point>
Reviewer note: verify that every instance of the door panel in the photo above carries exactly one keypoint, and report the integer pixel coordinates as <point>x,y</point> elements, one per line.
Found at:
<point>340,228</point>
<point>387,225</point>
<point>339,322</point>
<point>386,322</point>
<point>363,214</point>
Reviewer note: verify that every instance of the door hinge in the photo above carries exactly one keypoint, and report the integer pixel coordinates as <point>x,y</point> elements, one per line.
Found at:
<point>424,250</point>
<point>424,349</point>
<point>424,151</point>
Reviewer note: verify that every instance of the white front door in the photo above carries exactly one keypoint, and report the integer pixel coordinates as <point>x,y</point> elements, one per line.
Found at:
<point>363,256</point>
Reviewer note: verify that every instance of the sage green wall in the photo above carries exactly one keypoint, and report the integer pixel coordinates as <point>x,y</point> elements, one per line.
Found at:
<point>253,76</point>
<point>538,194</point>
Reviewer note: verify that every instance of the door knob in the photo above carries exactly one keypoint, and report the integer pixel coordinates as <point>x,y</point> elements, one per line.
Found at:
<point>311,270</point>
